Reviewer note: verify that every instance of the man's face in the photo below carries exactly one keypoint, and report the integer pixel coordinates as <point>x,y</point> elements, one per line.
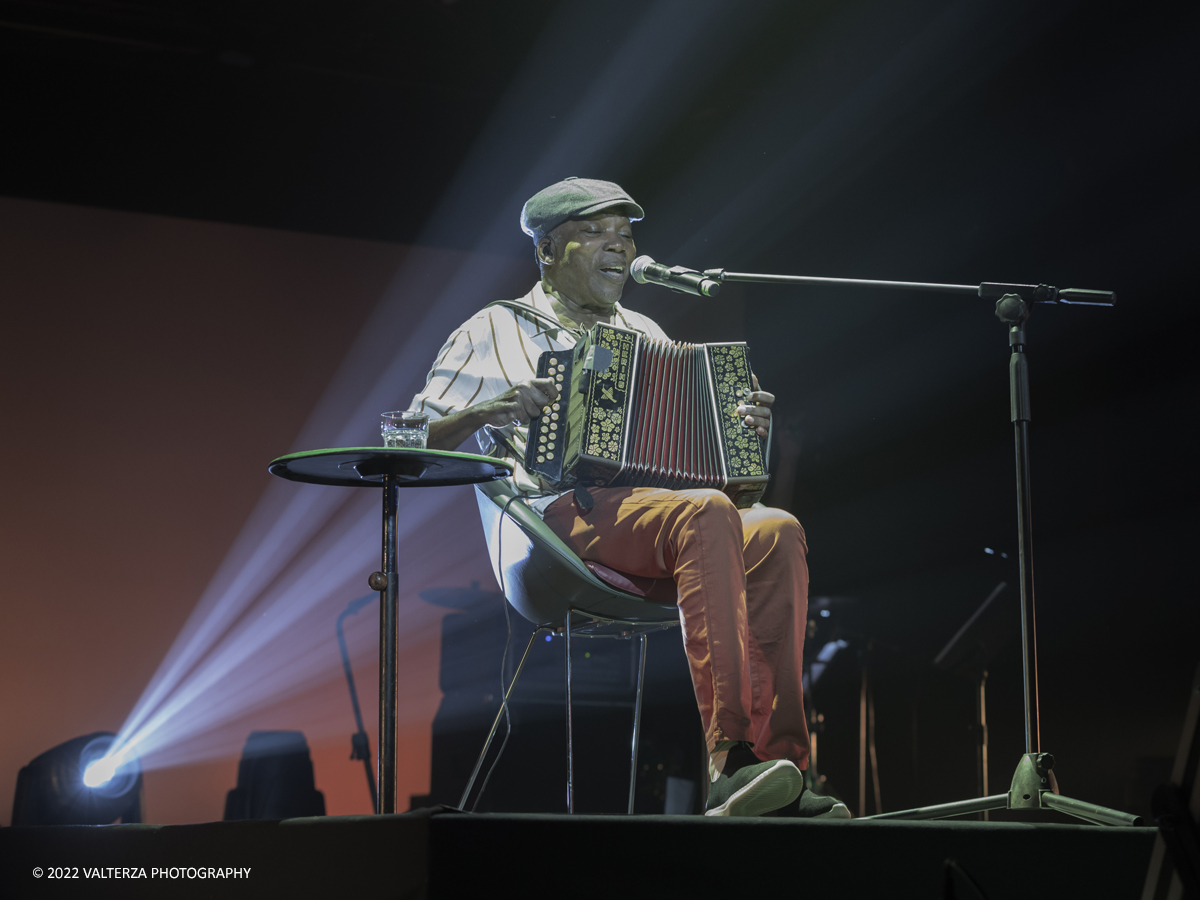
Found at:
<point>591,259</point>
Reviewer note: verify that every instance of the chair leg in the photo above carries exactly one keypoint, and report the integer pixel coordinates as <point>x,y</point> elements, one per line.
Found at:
<point>637,721</point>
<point>462,804</point>
<point>570,751</point>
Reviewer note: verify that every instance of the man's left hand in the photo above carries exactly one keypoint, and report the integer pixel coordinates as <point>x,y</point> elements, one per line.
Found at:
<point>756,409</point>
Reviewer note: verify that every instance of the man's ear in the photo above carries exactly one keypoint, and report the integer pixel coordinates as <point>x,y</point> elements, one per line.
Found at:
<point>545,250</point>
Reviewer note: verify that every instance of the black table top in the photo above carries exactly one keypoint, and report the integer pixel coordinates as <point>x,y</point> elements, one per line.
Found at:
<point>366,466</point>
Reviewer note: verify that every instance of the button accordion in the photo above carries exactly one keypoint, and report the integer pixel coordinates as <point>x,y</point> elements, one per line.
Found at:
<point>638,412</point>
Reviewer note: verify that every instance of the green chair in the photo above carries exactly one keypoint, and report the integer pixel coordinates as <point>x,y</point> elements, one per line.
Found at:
<point>558,592</point>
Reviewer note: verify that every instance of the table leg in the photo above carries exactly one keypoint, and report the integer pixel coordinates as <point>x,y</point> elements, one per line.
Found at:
<point>388,611</point>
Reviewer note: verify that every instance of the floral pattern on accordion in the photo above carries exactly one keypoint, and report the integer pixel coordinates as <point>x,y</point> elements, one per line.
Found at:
<point>608,395</point>
<point>731,376</point>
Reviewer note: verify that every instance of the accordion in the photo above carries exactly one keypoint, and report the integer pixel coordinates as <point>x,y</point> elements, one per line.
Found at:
<point>643,413</point>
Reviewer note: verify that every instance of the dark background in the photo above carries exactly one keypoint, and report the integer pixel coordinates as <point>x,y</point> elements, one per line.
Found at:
<point>927,141</point>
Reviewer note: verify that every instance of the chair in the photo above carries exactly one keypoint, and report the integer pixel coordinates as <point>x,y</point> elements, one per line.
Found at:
<point>558,592</point>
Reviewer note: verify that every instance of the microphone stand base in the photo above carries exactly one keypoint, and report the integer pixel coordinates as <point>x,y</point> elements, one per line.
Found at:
<point>1033,787</point>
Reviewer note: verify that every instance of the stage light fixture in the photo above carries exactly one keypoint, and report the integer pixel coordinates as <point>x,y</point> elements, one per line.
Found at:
<point>275,779</point>
<point>80,783</point>
<point>100,772</point>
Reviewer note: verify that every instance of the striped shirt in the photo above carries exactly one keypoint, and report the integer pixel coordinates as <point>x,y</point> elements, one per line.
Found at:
<point>495,349</point>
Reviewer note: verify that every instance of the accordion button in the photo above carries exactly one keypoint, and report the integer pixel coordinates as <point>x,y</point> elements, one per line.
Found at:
<point>550,455</point>
<point>556,407</point>
<point>541,459</point>
<point>554,426</point>
<point>545,409</point>
<point>554,417</point>
<point>550,445</point>
<point>553,361</point>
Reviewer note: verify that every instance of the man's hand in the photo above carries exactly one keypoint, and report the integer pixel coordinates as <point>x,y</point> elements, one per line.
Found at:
<point>519,403</point>
<point>756,409</point>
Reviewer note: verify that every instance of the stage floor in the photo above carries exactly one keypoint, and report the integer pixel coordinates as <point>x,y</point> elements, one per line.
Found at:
<point>442,854</point>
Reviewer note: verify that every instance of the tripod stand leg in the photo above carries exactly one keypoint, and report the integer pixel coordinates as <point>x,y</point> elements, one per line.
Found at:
<point>1089,812</point>
<point>948,810</point>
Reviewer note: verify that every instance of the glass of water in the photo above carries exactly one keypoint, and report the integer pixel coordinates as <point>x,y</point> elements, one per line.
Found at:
<point>405,429</point>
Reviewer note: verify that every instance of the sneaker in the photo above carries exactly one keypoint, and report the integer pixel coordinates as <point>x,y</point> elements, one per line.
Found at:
<point>813,806</point>
<point>747,786</point>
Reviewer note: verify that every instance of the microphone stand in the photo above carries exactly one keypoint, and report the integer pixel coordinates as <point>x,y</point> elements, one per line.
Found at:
<point>360,743</point>
<point>1033,784</point>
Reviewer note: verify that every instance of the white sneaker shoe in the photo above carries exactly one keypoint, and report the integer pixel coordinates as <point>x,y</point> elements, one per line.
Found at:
<point>747,786</point>
<point>813,806</point>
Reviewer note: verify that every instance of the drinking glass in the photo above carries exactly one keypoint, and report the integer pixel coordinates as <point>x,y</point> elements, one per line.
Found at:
<point>408,428</point>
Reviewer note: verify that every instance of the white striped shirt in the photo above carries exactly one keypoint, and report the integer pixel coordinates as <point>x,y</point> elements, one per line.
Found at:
<point>495,349</point>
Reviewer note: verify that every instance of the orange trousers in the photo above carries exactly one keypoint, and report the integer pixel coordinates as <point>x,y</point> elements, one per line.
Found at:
<point>742,582</point>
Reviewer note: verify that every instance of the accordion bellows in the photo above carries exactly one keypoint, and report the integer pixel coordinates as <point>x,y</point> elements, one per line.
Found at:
<point>643,413</point>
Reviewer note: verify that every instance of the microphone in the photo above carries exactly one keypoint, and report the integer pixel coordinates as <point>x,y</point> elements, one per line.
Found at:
<point>688,281</point>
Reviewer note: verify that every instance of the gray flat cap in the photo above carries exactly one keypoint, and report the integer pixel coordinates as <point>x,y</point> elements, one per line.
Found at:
<point>573,197</point>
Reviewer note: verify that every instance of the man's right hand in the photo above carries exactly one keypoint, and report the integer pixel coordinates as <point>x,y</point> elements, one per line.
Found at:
<point>519,403</point>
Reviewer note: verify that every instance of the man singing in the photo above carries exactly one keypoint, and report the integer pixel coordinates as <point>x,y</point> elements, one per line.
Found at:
<point>741,574</point>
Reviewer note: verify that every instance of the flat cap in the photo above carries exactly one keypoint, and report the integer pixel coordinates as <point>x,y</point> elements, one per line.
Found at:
<point>573,197</point>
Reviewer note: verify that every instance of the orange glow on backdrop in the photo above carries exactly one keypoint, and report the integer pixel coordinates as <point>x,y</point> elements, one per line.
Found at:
<point>152,367</point>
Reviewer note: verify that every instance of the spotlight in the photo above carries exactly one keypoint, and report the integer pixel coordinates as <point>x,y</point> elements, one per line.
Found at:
<point>275,779</point>
<point>80,783</point>
<point>100,772</point>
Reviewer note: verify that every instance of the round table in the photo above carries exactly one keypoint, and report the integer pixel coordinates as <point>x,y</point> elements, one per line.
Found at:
<point>391,469</point>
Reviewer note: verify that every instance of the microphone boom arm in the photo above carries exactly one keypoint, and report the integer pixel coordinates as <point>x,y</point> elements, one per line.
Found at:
<point>1030,293</point>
